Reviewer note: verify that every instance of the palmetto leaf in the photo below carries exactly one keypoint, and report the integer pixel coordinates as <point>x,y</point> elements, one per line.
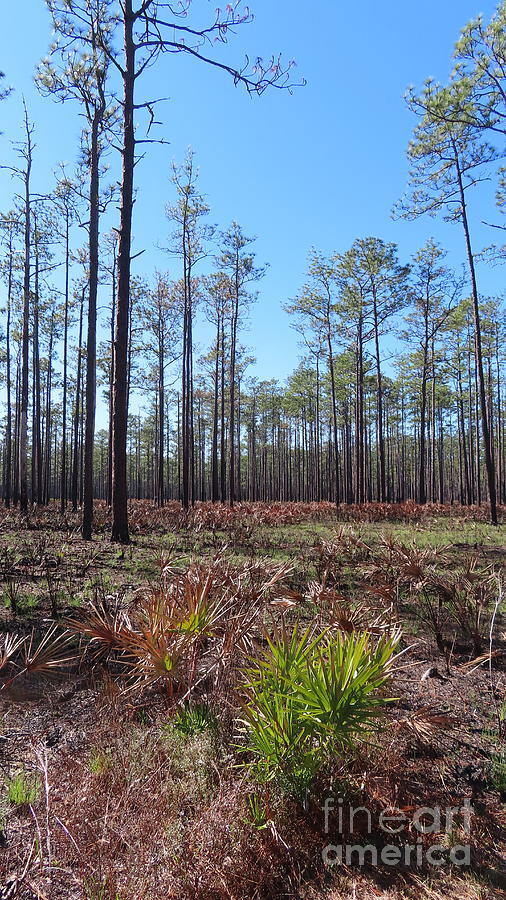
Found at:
<point>101,626</point>
<point>10,644</point>
<point>308,692</point>
<point>52,651</point>
<point>425,723</point>
<point>338,690</point>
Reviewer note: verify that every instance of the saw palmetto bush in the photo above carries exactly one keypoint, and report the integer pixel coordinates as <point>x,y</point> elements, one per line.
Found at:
<point>157,642</point>
<point>195,623</point>
<point>309,695</point>
<point>457,607</point>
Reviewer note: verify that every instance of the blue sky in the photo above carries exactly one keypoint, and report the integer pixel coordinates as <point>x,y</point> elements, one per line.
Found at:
<point>319,167</point>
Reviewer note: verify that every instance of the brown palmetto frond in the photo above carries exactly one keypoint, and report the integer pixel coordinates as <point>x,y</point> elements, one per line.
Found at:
<point>280,572</point>
<point>51,652</point>
<point>101,626</point>
<point>152,657</point>
<point>338,612</point>
<point>10,644</point>
<point>471,665</point>
<point>425,723</point>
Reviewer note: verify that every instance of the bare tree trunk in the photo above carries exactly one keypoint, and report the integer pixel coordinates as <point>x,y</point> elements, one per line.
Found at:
<point>77,414</point>
<point>111,375</point>
<point>120,377</point>
<point>91,340</point>
<point>231,420</point>
<point>161,407</point>
<point>223,460</point>
<point>63,484</point>
<point>8,436</point>
<point>359,418</point>
<point>489,460</point>
<point>214,445</point>
<point>36,417</point>
<point>23,404</point>
<point>334,417</point>
<point>47,441</point>
<point>379,384</point>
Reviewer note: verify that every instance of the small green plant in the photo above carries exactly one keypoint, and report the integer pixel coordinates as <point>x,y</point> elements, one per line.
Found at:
<point>257,813</point>
<point>99,889</point>
<point>308,695</point>
<point>11,595</point>
<point>193,720</point>
<point>28,603</point>
<point>100,762</point>
<point>498,772</point>
<point>23,789</point>
<point>142,716</point>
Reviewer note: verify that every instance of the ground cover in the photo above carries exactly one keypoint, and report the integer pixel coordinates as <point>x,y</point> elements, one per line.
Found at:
<point>175,720</point>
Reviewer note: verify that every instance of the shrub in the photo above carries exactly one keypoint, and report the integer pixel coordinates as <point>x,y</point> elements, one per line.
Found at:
<point>308,695</point>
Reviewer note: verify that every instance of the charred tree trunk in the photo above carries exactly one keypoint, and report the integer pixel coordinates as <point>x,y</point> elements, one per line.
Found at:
<point>120,374</point>
<point>91,339</point>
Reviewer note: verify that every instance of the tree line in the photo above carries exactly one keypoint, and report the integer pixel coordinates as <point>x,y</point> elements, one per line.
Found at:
<point>399,392</point>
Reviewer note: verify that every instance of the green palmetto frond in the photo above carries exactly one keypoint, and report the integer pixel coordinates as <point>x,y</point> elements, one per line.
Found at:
<point>280,744</point>
<point>284,655</point>
<point>308,694</point>
<point>338,689</point>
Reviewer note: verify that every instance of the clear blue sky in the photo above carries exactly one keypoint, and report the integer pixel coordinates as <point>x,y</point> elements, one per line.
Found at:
<point>319,167</point>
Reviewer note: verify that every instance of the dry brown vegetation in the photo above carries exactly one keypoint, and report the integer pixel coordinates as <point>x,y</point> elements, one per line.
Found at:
<point>128,771</point>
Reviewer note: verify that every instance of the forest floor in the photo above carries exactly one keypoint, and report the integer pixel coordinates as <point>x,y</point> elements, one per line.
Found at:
<point>111,791</point>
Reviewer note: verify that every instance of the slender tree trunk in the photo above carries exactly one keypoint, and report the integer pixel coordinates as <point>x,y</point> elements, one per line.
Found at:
<point>489,461</point>
<point>119,399</point>
<point>77,416</point>
<point>214,445</point>
<point>223,460</point>
<point>111,381</point>
<point>161,406</point>
<point>231,419</point>
<point>91,339</point>
<point>17,419</point>
<point>36,413</point>
<point>239,473</point>
<point>499,419</point>
<point>379,384</point>
<point>422,476</point>
<point>63,484</point>
<point>334,418</point>
<point>359,418</point>
<point>8,436</point>
<point>47,448</point>
<point>23,404</point>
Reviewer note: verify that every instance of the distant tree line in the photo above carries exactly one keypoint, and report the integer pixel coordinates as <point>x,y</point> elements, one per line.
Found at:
<point>399,393</point>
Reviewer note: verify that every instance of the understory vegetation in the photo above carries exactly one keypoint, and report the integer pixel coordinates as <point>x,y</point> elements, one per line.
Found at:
<point>178,715</point>
<point>252,630</point>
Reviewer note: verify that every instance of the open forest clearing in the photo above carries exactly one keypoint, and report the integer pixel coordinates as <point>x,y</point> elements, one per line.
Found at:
<point>252,598</point>
<point>187,716</point>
